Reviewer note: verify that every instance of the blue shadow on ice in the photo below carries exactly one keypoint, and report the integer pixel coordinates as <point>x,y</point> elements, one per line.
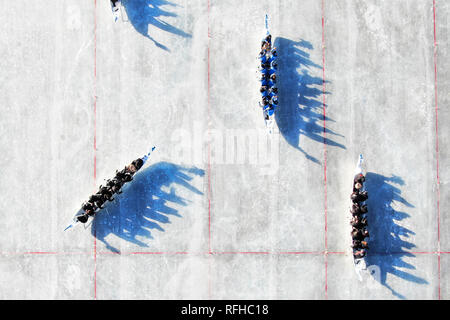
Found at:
<point>142,13</point>
<point>300,108</point>
<point>388,240</point>
<point>143,205</point>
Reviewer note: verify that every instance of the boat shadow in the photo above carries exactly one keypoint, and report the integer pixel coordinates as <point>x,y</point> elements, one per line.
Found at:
<point>389,241</point>
<point>142,13</point>
<point>300,97</point>
<point>145,204</point>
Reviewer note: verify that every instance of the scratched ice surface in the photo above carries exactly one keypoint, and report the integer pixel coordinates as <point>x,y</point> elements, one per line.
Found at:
<point>221,210</point>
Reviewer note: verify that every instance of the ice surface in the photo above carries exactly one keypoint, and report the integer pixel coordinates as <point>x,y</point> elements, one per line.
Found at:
<point>221,210</point>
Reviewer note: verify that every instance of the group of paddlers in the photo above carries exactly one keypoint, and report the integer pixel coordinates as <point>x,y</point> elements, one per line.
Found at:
<point>268,68</point>
<point>106,193</point>
<point>359,233</point>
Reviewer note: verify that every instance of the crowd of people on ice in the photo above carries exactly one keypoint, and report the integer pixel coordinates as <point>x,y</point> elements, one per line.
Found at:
<point>360,234</point>
<point>106,193</point>
<point>269,90</point>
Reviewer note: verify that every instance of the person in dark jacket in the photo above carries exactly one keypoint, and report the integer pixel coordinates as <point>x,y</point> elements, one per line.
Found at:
<point>88,206</point>
<point>124,175</point>
<point>359,196</point>
<point>357,187</point>
<point>114,185</point>
<point>359,178</point>
<point>97,200</point>
<point>358,209</point>
<point>358,222</point>
<point>106,193</point>
<point>360,234</point>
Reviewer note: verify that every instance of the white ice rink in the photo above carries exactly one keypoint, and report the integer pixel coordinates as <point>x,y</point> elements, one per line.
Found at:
<point>223,210</point>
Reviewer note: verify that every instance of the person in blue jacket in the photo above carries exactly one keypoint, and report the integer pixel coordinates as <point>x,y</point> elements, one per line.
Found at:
<point>264,80</point>
<point>272,80</point>
<point>273,54</point>
<point>274,101</point>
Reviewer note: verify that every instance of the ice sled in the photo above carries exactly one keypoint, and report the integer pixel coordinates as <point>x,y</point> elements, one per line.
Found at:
<point>269,115</point>
<point>74,222</point>
<point>360,264</point>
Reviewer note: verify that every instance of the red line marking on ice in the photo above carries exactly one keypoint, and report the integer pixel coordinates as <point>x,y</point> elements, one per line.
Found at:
<point>36,252</point>
<point>415,252</point>
<point>142,252</point>
<point>324,151</point>
<point>437,145</point>
<point>301,252</point>
<point>242,252</point>
<point>167,253</point>
<point>43,253</point>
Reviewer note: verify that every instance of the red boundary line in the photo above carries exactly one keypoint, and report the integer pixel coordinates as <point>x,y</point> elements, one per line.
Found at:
<point>95,139</point>
<point>437,148</point>
<point>324,151</point>
<point>242,252</point>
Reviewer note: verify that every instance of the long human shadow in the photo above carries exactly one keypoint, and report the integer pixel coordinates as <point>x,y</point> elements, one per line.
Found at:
<point>142,13</point>
<point>300,96</point>
<point>143,205</point>
<point>388,240</point>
